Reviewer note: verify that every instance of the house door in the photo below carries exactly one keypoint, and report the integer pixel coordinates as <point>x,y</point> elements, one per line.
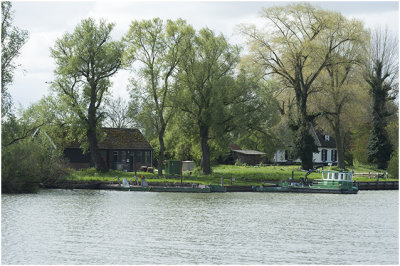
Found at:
<point>131,163</point>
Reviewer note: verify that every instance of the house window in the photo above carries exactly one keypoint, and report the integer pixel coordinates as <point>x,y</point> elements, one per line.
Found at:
<point>334,155</point>
<point>115,156</point>
<point>327,137</point>
<point>123,156</point>
<point>324,156</point>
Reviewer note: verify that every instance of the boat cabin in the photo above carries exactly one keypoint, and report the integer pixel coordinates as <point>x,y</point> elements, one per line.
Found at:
<point>337,176</point>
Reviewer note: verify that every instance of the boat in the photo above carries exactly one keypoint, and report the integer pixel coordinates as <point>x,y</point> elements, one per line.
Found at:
<point>333,182</point>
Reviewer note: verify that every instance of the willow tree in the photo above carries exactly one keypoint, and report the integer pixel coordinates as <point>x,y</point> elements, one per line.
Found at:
<point>297,43</point>
<point>208,87</point>
<point>340,88</point>
<point>85,61</point>
<point>157,48</point>
<point>12,40</point>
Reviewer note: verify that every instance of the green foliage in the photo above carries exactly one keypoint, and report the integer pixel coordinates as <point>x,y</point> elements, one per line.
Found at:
<point>256,114</point>
<point>157,48</point>
<point>379,148</point>
<point>360,138</point>
<point>29,162</point>
<point>393,165</point>
<point>12,40</point>
<point>348,158</point>
<point>85,60</point>
<point>381,76</point>
<point>295,46</point>
<point>209,92</point>
<point>182,143</point>
<point>244,175</point>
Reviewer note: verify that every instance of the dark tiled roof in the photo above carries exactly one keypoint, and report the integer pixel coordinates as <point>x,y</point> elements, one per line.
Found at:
<point>124,138</point>
<point>331,143</point>
<point>121,138</point>
<point>319,138</point>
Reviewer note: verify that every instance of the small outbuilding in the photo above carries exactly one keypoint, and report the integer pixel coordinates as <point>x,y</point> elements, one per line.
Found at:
<point>249,157</point>
<point>122,149</point>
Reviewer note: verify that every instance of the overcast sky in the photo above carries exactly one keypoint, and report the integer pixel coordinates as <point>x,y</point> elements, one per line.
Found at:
<point>47,21</point>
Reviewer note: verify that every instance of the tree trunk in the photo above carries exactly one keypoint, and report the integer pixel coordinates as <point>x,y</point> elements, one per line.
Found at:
<point>205,148</point>
<point>305,145</point>
<point>92,137</point>
<point>94,151</point>
<point>161,152</point>
<point>339,146</point>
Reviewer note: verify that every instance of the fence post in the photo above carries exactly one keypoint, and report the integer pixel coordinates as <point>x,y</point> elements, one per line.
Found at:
<point>181,172</point>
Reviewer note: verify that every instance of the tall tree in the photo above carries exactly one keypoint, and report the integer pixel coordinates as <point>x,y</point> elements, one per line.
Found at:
<point>382,77</point>
<point>159,47</point>
<point>86,59</point>
<point>12,40</point>
<point>256,113</point>
<point>298,44</point>
<point>208,87</point>
<point>340,85</point>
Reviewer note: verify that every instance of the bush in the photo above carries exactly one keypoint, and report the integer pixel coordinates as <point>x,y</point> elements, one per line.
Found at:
<point>27,164</point>
<point>348,159</point>
<point>393,166</point>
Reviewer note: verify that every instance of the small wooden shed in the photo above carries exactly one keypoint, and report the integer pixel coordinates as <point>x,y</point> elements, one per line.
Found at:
<point>122,149</point>
<point>249,157</point>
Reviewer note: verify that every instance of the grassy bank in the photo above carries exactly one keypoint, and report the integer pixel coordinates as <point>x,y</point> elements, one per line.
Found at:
<point>242,175</point>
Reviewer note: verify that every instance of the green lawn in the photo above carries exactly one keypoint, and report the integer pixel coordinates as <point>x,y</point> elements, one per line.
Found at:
<point>243,175</point>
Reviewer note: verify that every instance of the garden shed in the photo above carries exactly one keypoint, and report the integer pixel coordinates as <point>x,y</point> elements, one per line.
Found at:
<point>249,157</point>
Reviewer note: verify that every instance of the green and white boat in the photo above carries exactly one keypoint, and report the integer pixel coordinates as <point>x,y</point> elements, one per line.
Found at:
<point>334,182</point>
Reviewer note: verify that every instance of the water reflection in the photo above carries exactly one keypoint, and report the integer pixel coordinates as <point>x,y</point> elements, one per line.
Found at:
<point>111,227</point>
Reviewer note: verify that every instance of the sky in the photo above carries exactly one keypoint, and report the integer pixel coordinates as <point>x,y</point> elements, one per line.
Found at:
<point>46,21</point>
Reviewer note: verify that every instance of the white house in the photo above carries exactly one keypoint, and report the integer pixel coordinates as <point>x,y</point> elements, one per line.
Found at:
<point>327,152</point>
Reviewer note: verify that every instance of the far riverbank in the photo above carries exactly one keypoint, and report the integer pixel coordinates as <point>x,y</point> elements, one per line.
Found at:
<point>93,184</point>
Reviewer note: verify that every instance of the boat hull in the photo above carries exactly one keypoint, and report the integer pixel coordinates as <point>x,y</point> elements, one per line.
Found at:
<point>290,189</point>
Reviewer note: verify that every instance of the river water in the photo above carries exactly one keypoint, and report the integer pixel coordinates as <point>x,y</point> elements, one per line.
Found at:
<point>115,227</point>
